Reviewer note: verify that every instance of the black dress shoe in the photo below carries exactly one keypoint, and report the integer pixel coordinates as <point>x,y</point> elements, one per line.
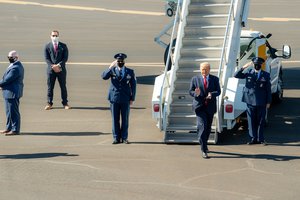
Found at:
<point>115,142</point>
<point>252,142</point>
<point>204,155</point>
<point>263,143</point>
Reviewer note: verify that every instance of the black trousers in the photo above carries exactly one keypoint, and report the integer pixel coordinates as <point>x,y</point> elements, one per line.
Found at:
<point>61,77</point>
<point>204,121</point>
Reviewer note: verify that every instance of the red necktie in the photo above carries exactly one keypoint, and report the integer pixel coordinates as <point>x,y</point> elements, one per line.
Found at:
<point>205,82</point>
<point>205,87</point>
<point>55,48</point>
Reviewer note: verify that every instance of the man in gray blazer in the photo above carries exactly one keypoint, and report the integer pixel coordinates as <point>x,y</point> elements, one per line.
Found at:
<point>204,88</point>
<point>56,55</point>
<point>257,95</point>
<point>12,88</point>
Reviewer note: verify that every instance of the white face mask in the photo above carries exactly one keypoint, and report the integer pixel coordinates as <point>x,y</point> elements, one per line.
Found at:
<point>55,39</point>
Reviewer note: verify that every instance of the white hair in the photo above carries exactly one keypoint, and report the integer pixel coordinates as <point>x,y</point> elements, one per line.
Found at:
<point>13,54</point>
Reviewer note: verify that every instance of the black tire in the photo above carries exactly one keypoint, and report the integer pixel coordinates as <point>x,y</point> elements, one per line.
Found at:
<point>169,12</point>
<point>166,54</point>
<point>277,97</point>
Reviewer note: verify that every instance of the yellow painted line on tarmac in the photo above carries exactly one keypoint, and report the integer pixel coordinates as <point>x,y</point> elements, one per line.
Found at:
<point>94,64</point>
<point>275,19</point>
<point>107,63</point>
<point>85,8</point>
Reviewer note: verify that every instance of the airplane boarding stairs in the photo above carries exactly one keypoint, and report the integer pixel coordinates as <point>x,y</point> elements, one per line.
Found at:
<point>202,41</point>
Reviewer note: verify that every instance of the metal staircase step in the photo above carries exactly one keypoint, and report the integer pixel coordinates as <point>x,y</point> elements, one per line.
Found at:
<point>202,41</point>
<point>194,51</point>
<point>198,19</point>
<point>204,30</point>
<point>184,137</point>
<point>208,8</point>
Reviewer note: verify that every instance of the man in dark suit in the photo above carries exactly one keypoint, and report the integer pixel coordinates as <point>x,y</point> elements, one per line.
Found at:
<point>204,88</point>
<point>121,95</point>
<point>56,55</point>
<point>12,88</point>
<point>257,95</point>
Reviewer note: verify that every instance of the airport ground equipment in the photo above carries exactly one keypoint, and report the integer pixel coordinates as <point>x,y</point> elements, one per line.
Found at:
<point>209,31</point>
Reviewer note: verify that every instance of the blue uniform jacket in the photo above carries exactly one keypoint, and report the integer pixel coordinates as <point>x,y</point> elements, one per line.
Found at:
<point>122,90</point>
<point>12,81</point>
<point>199,101</point>
<point>256,92</point>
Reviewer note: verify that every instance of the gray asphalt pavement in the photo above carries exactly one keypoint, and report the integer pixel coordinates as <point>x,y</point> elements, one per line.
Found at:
<point>67,154</point>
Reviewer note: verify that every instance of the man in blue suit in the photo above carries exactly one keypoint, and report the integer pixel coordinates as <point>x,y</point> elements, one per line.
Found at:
<point>257,95</point>
<point>12,88</point>
<point>204,88</point>
<point>121,95</point>
<point>56,55</point>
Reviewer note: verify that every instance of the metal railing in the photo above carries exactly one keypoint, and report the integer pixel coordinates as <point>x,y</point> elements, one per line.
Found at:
<point>170,58</point>
<point>223,62</point>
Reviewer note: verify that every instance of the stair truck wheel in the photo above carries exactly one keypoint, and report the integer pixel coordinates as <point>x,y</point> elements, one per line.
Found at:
<point>278,95</point>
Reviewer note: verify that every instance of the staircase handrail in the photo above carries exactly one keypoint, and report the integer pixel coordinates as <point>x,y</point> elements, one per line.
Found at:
<point>223,60</point>
<point>165,76</point>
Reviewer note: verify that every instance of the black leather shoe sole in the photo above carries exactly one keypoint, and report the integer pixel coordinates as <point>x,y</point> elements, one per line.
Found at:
<point>115,142</point>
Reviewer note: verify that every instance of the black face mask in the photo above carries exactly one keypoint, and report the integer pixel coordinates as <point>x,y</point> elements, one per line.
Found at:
<point>257,67</point>
<point>11,59</point>
<point>120,64</point>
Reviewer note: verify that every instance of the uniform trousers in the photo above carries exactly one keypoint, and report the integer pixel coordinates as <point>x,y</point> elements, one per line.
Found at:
<point>120,130</point>
<point>256,122</point>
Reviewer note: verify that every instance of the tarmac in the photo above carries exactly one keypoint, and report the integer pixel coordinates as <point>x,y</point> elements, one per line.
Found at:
<point>68,155</point>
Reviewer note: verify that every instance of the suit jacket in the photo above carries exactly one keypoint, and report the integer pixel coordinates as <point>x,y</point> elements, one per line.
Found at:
<point>199,101</point>
<point>122,89</point>
<point>12,81</point>
<point>52,58</point>
<point>257,91</point>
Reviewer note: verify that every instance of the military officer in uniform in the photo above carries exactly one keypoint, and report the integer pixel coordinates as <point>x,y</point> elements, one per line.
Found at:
<point>121,95</point>
<point>257,95</point>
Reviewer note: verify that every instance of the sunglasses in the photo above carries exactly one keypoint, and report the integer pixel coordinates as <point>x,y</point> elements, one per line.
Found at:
<point>54,35</point>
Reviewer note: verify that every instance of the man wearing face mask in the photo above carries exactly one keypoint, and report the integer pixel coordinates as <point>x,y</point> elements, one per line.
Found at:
<point>12,88</point>
<point>257,95</point>
<point>121,95</point>
<point>56,55</point>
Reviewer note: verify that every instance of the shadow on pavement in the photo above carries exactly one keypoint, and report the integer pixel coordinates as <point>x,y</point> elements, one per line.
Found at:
<point>35,155</point>
<point>253,156</point>
<point>67,134</point>
<point>86,108</point>
<point>99,108</point>
<point>145,142</point>
<point>146,80</point>
<point>282,129</point>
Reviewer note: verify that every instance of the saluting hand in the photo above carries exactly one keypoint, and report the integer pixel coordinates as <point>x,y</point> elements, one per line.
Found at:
<point>247,65</point>
<point>114,63</point>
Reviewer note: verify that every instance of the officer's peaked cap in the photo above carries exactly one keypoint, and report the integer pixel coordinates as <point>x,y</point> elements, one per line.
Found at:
<point>258,60</point>
<point>121,56</point>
